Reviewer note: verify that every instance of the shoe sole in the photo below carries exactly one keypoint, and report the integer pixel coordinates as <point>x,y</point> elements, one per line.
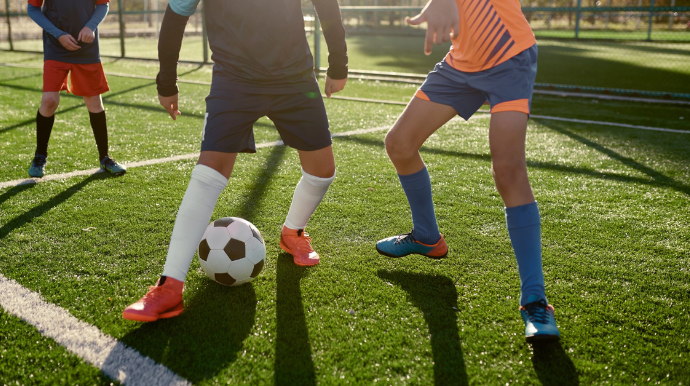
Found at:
<point>286,249</point>
<point>145,318</point>
<point>115,174</point>
<point>411,253</point>
<point>542,338</point>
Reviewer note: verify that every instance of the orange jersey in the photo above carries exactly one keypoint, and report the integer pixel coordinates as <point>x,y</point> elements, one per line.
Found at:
<point>491,32</point>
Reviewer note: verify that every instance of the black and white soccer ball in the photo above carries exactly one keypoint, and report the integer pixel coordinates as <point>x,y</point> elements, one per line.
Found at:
<point>232,251</point>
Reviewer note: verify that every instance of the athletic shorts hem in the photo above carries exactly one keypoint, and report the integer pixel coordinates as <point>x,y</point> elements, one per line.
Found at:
<point>520,105</point>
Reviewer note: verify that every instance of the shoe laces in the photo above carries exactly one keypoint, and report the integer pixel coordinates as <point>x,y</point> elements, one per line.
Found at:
<point>154,293</point>
<point>303,241</point>
<point>109,162</point>
<point>39,160</point>
<point>537,312</point>
<point>407,238</point>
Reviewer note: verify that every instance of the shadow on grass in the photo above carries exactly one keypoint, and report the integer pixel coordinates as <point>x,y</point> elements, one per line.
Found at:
<point>209,335</point>
<point>14,191</point>
<point>41,209</point>
<point>293,363</point>
<point>437,298</point>
<point>553,366</point>
<point>658,179</point>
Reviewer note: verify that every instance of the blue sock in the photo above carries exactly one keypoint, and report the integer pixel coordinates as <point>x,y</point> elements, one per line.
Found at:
<point>417,187</point>
<point>524,228</point>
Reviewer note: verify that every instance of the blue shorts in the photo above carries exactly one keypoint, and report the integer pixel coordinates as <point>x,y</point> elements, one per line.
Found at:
<point>507,87</point>
<point>230,116</point>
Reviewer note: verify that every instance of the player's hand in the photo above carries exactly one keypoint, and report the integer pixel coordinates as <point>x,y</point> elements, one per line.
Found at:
<point>69,42</point>
<point>170,104</point>
<point>86,35</point>
<point>443,22</point>
<point>334,85</point>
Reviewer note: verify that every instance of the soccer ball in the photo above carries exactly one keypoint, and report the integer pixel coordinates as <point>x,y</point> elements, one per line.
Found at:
<point>232,251</point>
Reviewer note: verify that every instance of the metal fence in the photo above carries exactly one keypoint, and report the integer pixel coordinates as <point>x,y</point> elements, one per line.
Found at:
<point>610,30</point>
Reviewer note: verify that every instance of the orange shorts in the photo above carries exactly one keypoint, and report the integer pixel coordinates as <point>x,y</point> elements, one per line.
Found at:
<point>86,79</point>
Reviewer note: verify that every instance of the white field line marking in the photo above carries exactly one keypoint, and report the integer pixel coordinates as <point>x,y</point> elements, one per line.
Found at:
<point>615,124</point>
<point>113,358</point>
<point>415,81</point>
<point>156,161</point>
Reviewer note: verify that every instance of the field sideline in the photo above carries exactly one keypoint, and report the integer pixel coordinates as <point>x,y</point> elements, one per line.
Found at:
<point>616,244</point>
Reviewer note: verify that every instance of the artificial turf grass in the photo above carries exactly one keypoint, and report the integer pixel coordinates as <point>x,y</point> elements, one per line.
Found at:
<point>29,358</point>
<point>355,296</point>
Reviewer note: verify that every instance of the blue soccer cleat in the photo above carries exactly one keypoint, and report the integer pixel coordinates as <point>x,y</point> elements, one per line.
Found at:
<point>540,324</point>
<point>110,165</point>
<point>403,245</point>
<point>37,166</point>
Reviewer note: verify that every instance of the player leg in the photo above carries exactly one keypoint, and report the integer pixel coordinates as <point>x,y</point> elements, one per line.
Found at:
<point>509,168</point>
<point>302,123</point>
<point>225,134</point>
<point>54,80</point>
<point>88,81</point>
<point>45,118</point>
<point>420,119</point>
<point>100,132</point>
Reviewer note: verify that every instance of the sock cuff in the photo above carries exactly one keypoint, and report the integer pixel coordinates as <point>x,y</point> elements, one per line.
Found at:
<point>523,216</point>
<point>96,114</point>
<point>415,181</point>
<point>317,181</point>
<point>209,175</point>
<point>41,116</point>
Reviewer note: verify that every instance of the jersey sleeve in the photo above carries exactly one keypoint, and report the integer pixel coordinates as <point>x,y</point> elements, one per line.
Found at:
<point>184,7</point>
<point>99,2</point>
<point>36,3</point>
<point>334,32</point>
<point>37,16</point>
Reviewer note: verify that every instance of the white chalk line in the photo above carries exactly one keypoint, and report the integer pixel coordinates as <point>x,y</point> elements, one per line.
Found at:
<point>113,358</point>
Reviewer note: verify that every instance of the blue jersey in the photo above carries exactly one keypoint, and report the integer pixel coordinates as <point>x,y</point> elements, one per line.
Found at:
<point>69,16</point>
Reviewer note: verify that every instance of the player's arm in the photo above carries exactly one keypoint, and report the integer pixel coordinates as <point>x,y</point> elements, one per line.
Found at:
<point>442,22</point>
<point>169,44</point>
<point>86,34</point>
<point>67,40</point>
<point>334,32</point>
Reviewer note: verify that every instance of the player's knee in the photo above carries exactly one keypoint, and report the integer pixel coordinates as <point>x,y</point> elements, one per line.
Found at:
<point>398,148</point>
<point>94,104</point>
<point>49,103</point>
<point>507,174</point>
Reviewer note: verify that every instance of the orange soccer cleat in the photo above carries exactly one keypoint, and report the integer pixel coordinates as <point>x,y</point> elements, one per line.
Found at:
<point>164,300</point>
<point>297,243</point>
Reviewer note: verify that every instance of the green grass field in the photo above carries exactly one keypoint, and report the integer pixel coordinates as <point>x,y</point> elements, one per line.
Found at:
<point>616,236</point>
<point>628,65</point>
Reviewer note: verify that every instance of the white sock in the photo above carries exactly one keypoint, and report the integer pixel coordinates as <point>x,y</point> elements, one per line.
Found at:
<point>192,219</point>
<point>308,195</point>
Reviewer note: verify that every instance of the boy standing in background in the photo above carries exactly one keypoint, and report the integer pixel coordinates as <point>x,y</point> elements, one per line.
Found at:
<point>70,45</point>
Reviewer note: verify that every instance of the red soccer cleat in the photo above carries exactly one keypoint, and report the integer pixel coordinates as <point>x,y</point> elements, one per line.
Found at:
<point>164,300</point>
<point>297,243</point>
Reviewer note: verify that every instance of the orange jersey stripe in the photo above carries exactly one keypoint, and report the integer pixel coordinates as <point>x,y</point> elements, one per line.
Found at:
<point>491,32</point>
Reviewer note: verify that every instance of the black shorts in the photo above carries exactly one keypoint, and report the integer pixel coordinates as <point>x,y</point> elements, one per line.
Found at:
<point>230,116</point>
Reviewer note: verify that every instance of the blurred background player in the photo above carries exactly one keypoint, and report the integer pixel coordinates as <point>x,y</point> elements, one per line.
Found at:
<point>493,58</point>
<point>70,45</point>
<point>262,67</point>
